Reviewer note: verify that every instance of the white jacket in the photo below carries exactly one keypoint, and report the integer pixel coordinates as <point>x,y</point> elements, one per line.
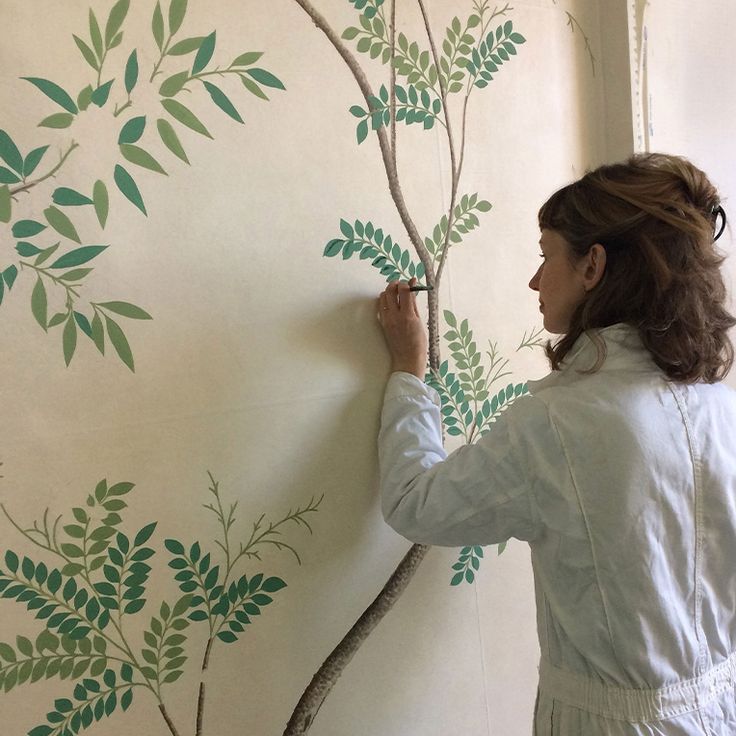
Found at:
<point>624,486</point>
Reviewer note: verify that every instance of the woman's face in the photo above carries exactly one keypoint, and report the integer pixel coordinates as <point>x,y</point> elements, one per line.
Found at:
<point>561,285</point>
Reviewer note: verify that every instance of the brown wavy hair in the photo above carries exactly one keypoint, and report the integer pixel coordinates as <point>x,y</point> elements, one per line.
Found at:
<point>655,216</point>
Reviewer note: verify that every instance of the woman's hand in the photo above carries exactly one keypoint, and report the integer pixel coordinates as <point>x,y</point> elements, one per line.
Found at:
<point>403,328</point>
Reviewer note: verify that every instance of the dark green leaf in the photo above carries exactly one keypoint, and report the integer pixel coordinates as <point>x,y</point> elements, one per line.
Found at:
<point>132,130</point>
<point>205,53</point>
<point>135,606</point>
<point>84,325</point>
<point>9,153</point>
<point>265,78</point>
<point>27,228</point>
<point>222,101</point>
<point>5,204</point>
<point>8,177</point>
<point>144,534</point>
<point>69,197</point>
<point>174,546</point>
<point>129,188</point>
<point>101,94</point>
<point>131,71</point>
<point>271,585</point>
<point>78,256</point>
<point>54,92</point>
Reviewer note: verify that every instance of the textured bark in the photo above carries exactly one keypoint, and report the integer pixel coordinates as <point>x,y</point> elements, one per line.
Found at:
<point>328,674</point>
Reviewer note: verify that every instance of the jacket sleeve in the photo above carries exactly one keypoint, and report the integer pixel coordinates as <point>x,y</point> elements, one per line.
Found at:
<point>480,494</point>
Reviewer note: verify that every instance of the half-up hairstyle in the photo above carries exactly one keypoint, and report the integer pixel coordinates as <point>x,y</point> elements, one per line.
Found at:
<point>655,215</point>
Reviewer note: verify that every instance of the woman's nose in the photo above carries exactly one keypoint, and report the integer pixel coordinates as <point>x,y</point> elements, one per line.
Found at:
<point>534,283</point>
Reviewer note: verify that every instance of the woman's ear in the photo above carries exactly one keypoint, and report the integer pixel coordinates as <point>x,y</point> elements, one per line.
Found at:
<point>594,266</point>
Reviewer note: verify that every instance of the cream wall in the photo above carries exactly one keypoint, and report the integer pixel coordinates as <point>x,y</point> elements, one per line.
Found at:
<point>685,97</point>
<point>263,363</point>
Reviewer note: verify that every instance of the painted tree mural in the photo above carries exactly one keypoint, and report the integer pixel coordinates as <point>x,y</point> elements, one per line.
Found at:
<point>89,587</point>
<point>49,248</point>
<point>429,84</point>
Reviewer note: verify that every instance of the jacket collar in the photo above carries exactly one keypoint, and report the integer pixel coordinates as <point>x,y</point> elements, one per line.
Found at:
<point>625,352</point>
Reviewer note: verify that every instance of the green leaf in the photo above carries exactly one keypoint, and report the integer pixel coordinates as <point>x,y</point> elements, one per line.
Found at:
<point>120,343</point>
<point>131,71</point>
<point>9,152</point>
<point>271,585</point>
<point>132,130</point>
<point>185,116</point>
<point>126,310</point>
<point>157,26</point>
<point>350,33</point>
<point>252,87</point>
<point>170,139</point>
<point>9,275</point>
<point>61,223</point>
<point>135,606</point>
<point>265,78</point>
<point>95,34</point>
<point>186,46</point>
<point>78,256</point>
<point>222,101</point>
<point>41,731</point>
<point>27,228</point>
<point>227,636</point>
<point>84,325</point>
<point>248,58</point>
<point>98,333</point>
<point>5,204</point>
<point>101,94</point>
<point>69,197</point>
<point>205,53</point>
<point>84,98</point>
<point>142,158</point>
<point>174,546</point>
<point>7,176</point>
<point>362,131</point>
<point>177,11</point>
<point>101,201</point>
<point>69,340</point>
<point>87,53</point>
<point>126,699</point>
<point>39,303</point>
<point>144,534</point>
<point>54,92</point>
<point>457,578</point>
<point>173,84</point>
<point>129,188</point>
<point>115,19</point>
<point>58,120</point>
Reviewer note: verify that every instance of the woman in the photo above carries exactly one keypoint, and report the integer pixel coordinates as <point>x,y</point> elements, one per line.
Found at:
<point>618,468</point>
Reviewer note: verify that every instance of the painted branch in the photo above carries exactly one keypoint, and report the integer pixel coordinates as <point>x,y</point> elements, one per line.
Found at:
<point>25,187</point>
<point>168,720</point>
<point>455,173</point>
<point>328,674</point>
<point>391,173</point>
<point>392,86</point>
<point>200,699</point>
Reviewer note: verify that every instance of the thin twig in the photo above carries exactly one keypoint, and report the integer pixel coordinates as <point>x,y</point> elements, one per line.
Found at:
<point>455,174</point>
<point>392,85</point>
<point>25,187</point>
